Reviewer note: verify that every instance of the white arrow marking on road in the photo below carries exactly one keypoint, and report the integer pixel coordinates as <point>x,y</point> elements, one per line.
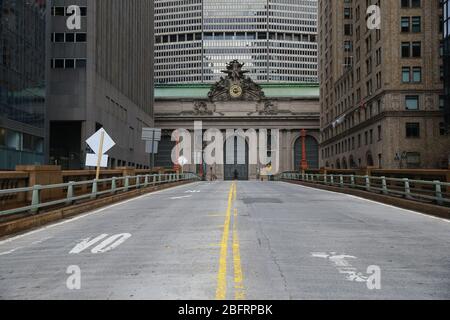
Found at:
<point>107,244</point>
<point>111,243</point>
<point>86,243</point>
<point>343,266</point>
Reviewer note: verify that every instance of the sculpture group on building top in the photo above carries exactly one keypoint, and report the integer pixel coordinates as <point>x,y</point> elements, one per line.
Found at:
<point>236,85</point>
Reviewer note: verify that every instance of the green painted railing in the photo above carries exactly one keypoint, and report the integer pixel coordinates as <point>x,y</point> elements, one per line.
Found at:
<point>419,190</point>
<point>127,184</point>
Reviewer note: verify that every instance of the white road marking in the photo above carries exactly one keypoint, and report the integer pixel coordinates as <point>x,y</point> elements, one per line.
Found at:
<point>192,191</point>
<point>86,243</point>
<point>375,202</point>
<point>111,243</point>
<point>343,266</point>
<point>183,197</point>
<point>10,251</point>
<point>108,244</point>
<point>33,243</point>
<point>41,241</point>
<point>87,214</point>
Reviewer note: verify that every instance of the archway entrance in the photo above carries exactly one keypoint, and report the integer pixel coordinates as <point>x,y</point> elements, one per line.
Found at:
<point>312,153</point>
<point>370,160</point>
<point>236,160</point>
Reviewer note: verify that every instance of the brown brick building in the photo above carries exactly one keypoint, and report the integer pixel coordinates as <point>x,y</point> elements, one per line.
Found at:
<point>382,100</point>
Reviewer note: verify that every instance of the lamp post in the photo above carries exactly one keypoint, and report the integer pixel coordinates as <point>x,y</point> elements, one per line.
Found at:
<point>304,164</point>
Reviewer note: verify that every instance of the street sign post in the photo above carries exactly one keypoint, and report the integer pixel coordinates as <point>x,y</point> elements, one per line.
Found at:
<point>100,142</point>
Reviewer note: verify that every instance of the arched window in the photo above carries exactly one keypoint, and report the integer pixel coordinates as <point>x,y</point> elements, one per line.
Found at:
<point>352,163</point>
<point>338,164</point>
<point>344,163</point>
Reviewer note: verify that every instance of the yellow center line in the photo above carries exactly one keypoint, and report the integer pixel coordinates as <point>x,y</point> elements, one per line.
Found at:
<point>221,291</point>
<point>239,293</point>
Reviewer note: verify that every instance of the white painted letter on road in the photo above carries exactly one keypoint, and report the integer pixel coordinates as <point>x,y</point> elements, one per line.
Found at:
<point>74,280</point>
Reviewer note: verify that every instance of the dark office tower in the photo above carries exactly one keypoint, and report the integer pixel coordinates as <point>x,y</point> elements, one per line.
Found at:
<point>446,29</point>
<point>22,82</point>
<point>276,39</point>
<point>101,76</point>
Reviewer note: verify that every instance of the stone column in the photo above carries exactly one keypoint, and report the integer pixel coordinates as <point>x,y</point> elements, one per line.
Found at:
<point>43,175</point>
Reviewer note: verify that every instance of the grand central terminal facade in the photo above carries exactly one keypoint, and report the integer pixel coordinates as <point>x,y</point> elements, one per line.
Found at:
<point>235,102</point>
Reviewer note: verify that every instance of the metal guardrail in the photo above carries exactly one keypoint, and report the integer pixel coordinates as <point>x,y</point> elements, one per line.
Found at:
<point>140,181</point>
<point>418,190</point>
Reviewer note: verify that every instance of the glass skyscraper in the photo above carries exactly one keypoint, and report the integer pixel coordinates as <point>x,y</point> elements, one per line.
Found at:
<point>22,82</point>
<point>276,39</point>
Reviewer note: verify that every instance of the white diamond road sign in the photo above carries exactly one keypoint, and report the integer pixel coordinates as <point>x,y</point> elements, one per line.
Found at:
<point>97,145</point>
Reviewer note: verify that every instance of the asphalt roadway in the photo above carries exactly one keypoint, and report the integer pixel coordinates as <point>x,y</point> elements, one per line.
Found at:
<point>236,241</point>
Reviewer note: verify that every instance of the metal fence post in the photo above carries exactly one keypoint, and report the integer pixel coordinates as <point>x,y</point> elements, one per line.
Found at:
<point>127,183</point>
<point>352,181</point>
<point>332,179</point>
<point>303,176</point>
<point>384,185</point>
<point>367,183</point>
<point>35,198</point>
<point>325,179</point>
<point>70,193</point>
<point>341,180</point>
<point>113,185</point>
<point>94,189</point>
<point>138,182</point>
<point>146,181</point>
<point>439,198</point>
<point>407,188</point>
